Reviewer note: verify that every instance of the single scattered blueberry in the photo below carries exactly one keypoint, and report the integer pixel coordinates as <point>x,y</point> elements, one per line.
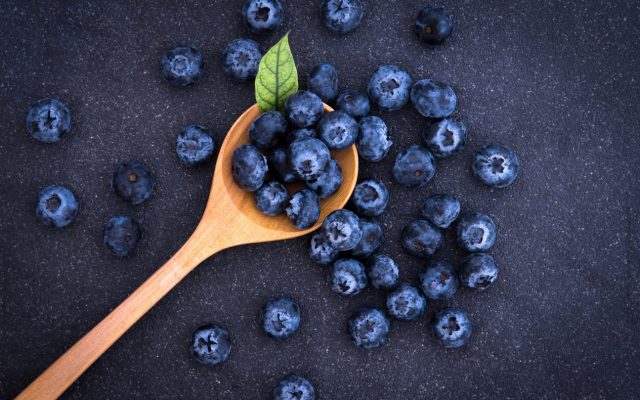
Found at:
<point>249,167</point>
<point>308,158</point>
<point>341,16</point>
<point>241,58</point>
<point>414,167</point>
<point>496,165</point>
<point>389,87</point>
<point>194,146</point>
<point>433,25</point>
<point>323,81</point>
<point>421,238</point>
<point>328,182</point>
<point>370,198</point>
<point>479,271</point>
<point>369,328</point>
<point>280,318</point>
<point>303,109</point>
<point>445,137</point>
<point>452,327</point>
<point>354,103</point>
<point>301,133</point>
<point>441,210</point>
<point>372,238</point>
<point>439,280</point>
<point>383,272</point>
<point>182,66</point>
<point>373,139</point>
<point>347,277</point>
<point>133,182</point>
<point>263,16</point>
<point>304,209</point>
<point>338,130</point>
<point>406,303</point>
<point>268,130</point>
<point>211,345</point>
<point>433,99</point>
<point>57,206</point>
<point>121,235</point>
<point>320,250</point>
<point>342,229</point>
<point>476,232</point>
<point>48,120</point>
<point>272,198</point>
<point>294,387</point>
<point>278,162</point>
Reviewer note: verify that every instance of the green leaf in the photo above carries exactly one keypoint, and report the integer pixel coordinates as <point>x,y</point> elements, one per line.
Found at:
<point>277,77</point>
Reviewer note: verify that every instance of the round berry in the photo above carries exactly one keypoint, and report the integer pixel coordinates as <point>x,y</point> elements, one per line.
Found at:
<point>249,167</point>
<point>272,198</point>
<point>421,239</point>
<point>194,146</point>
<point>48,120</point>
<point>241,58</point>
<point>441,210</point>
<point>342,229</point>
<point>389,87</point>
<point>341,16</point>
<point>439,280</point>
<point>304,209</point>
<point>414,167</point>
<point>263,16</point>
<point>369,328</point>
<point>347,277</point>
<point>433,99</point>
<point>496,166</point>
<point>372,238</point>
<point>373,141</point>
<point>268,130</point>
<point>303,109</point>
<point>433,25</point>
<point>121,235</point>
<point>57,206</point>
<point>479,271</point>
<point>476,232</point>
<point>308,158</point>
<point>323,81</point>
<point>354,103</point>
<point>182,66</point>
<point>445,137</point>
<point>211,345</point>
<point>370,198</point>
<point>133,182</point>
<point>406,303</point>
<point>452,327</point>
<point>280,318</point>
<point>338,130</point>
<point>328,182</point>
<point>383,272</point>
<point>320,250</point>
<point>294,387</point>
<point>278,162</point>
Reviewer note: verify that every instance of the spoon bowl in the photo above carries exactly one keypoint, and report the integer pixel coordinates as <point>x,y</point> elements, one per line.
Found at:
<point>230,219</point>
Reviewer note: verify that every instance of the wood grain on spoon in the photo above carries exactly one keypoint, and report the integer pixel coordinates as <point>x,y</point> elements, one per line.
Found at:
<point>230,219</point>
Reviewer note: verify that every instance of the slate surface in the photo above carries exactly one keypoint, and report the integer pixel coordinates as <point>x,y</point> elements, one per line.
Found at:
<point>556,80</point>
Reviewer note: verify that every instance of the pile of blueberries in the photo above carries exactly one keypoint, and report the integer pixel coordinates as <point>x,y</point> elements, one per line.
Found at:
<point>297,146</point>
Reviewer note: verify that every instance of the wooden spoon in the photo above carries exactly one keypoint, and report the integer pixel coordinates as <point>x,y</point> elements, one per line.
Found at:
<point>230,219</point>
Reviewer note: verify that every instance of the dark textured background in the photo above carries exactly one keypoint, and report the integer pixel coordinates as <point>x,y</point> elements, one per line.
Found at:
<point>556,80</point>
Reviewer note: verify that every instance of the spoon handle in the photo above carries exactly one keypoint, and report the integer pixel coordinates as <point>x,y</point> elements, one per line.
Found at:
<point>62,373</point>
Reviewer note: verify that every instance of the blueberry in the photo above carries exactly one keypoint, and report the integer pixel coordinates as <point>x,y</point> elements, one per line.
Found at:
<point>389,87</point>
<point>211,345</point>
<point>479,271</point>
<point>304,209</point>
<point>249,167</point>
<point>338,130</point>
<point>303,109</point>
<point>383,272</point>
<point>320,250</point>
<point>354,103</point>
<point>439,280</point>
<point>268,130</point>
<point>452,327</point>
<point>476,232</point>
<point>278,162</point>
<point>308,158</point>
<point>445,137</point>
<point>496,165</point>
<point>370,198</point>
<point>342,229</point>
<point>414,167</point>
<point>372,238</point>
<point>301,133</point>
<point>263,16</point>
<point>121,235</point>
<point>433,25</point>
<point>272,198</point>
<point>441,210</point>
<point>241,58</point>
<point>406,303</point>
<point>369,327</point>
<point>182,66</point>
<point>328,182</point>
<point>421,239</point>
<point>194,146</point>
<point>433,99</point>
<point>341,16</point>
<point>57,206</point>
<point>280,318</point>
<point>347,277</point>
<point>323,81</point>
<point>48,120</point>
<point>133,182</point>
<point>294,387</point>
<point>373,139</point>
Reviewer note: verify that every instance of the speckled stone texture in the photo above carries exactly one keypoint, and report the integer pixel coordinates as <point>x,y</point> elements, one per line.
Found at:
<point>556,80</point>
